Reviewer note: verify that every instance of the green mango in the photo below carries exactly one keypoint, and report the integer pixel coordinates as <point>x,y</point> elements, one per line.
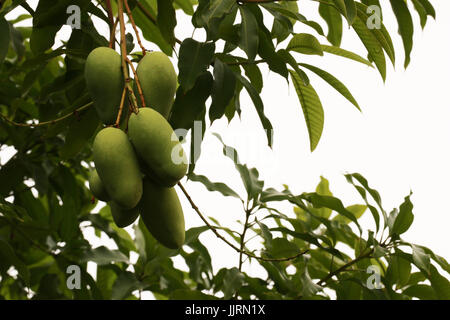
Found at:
<point>158,81</point>
<point>123,217</point>
<point>97,188</point>
<point>162,214</point>
<point>117,167</point>
<point>105,82</point>
<point>158,147</point>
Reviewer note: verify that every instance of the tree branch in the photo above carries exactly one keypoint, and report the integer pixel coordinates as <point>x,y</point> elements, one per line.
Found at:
<point>112,25</point>
<point>345,266</point>
<point>40,124</point>
<point>130,16</point>
<point>188,197</point>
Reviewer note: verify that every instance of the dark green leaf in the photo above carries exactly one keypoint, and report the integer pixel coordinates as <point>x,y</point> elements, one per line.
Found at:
<point>166,20</point>
<point>405,26</point>
<point>195,58</point>
<point>334,22</point>
<point>249,33</point>
<point>222,90</point>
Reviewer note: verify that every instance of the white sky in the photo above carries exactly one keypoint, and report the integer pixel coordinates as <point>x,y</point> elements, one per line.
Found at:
<point>400,142</point>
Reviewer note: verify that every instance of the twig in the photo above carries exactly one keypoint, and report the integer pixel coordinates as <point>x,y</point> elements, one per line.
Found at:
<point>40,124</point>
<point>138,83</point>
<point>345,266</point>
<point>188,197</point>
<point>130,16</point>
<point>247,216</point>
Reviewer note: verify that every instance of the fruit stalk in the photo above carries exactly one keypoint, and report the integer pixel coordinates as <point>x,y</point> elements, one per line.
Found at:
<point>122,102</point>
<point>123,49</point>
<point>138,83</point>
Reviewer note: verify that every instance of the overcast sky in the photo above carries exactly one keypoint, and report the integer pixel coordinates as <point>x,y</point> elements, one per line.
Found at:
<point>400,141</point>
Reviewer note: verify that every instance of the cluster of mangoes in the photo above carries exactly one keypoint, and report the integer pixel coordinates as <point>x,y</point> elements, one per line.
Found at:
<point>135,171</point>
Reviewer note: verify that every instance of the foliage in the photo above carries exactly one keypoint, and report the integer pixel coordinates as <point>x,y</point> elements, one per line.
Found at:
<point>318,250</point>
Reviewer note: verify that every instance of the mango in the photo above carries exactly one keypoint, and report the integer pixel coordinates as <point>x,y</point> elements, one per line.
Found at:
<point>117,167</point>
<point>162,214</point>
<point>123,217</point>
<point>105,82</point>
<point>157,146</point>
<point>158,81</point>
<point>97,188</point>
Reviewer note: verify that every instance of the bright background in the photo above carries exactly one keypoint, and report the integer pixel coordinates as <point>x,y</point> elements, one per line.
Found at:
<point>400,141</point>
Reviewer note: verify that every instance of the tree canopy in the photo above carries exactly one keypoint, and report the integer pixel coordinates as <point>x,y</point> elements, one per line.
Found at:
<point>46,115</point>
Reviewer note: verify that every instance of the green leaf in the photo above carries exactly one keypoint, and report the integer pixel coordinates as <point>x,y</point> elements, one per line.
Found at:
<point>374,193</point>
<point>334,22</point>
<point>150,30</point>
<point>440,284</point>
<point>4,39</point>
<point>80,132</point>
<point>254,75</point>
<point>195,58</point>
<point>357,210</point>
<point>428,7</point>
<point>249,177</point>
<point>267,52</point>
<point>305,43</point>
<point>289,59</point>
<point>404,218</point>
<point>259,105</point>
<point>372,45</point>
<point>422,12</point>
<point>43,38</point>
<point>334,82</point>
<point>282,248</point>
<point>8,257</point>
<point>312,109</point>
<point>214,186</point>
<point>421,291</point>
<point>405,27</point>
<point>104,256</point>
<point>189,105</point>
<point>309,288</point>
<point>166,20</point>
<point>249,38</point>
<point>420,258</point>
<point>399,271</point>
<point>346,54</point>
<point>222,90</point>
<point>124,285</point>
<point>232,282</point>
<point>185,5</point>
<point>333,203</point>
<point>382,35</point>
<point>350,9</point>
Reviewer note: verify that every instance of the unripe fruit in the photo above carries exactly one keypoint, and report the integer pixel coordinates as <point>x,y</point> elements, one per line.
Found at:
<point>158,81</point>
<point>157,146</point>
<point>123,217</point>
<point>117,167</point>
<point>97,188</point>
<point>105,83</point>
<point>162,214</point>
